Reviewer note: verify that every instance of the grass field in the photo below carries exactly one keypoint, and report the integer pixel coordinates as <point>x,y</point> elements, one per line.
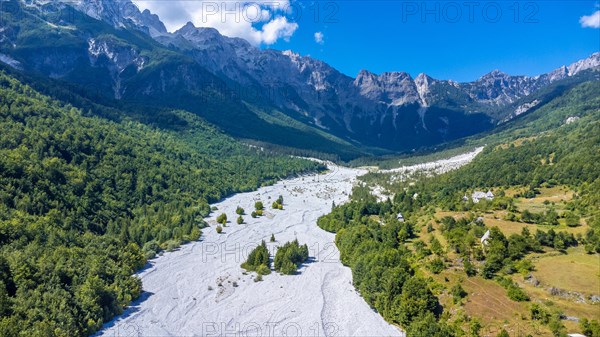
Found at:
<point>487,302</point>
<point>513,227</point>
<point>573,272</point>
<point>517,142</point>
<point>555,196</point>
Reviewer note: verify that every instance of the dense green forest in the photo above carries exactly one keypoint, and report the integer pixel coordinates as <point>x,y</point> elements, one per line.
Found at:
<point>387,256</point>
<point>85,201</point>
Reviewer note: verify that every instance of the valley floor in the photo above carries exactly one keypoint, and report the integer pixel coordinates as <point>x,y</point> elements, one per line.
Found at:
<point>438,166</point>
<point>201,290</point>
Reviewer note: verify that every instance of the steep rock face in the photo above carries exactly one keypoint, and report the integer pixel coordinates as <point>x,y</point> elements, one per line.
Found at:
<point>315,89</point>
<point>118,13</point>
<point>121,14</point>
<point>120,56</point>
<point>581,65</point>
<point>116,58</point>
<point>498,89</point>
<point>392,88</point>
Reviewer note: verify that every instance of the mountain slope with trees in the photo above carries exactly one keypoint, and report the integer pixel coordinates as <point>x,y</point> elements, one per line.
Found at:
<point>110,50</point>
<point>84,201</point>
<point>542,150</point>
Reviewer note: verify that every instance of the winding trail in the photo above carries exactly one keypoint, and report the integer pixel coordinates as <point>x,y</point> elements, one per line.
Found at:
<point>201,290</point>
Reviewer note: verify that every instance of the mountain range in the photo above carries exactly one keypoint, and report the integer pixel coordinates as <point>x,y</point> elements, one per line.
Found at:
<point>112,50</point>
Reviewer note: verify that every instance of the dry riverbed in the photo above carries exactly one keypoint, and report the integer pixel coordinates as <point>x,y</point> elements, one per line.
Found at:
<point>201,290</point>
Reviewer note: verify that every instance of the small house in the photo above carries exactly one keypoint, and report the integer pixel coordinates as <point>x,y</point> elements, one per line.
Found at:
<point>478,196</point>
<point>400,217</point>
<point>485,238</point>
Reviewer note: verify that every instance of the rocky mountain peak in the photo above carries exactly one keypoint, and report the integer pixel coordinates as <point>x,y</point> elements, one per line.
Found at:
<point>152,22</point>
<point>494,74</point>
<point>422,77</point>
<point>189,27</point>
<point>587,63</point>
<point>365,77</point>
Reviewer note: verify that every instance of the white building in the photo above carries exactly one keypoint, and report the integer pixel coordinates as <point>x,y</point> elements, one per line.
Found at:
<point>478,195</point>
<point>400,217</point>
<point>485,238</point>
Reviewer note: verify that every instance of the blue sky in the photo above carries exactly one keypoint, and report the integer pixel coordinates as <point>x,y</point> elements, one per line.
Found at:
<point>459,40</point>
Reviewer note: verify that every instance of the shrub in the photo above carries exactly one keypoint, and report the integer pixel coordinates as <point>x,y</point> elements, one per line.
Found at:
<point>289,257</point>
<point>278,204</point>
<point>263,270</point>
<point>172,245</point>
<point>572,219</point>
<point>515,293</point>
<point>240,220</point>
<point>259,206</point>
<point>524,266</point>
<point>538,313</point>
<point>222,219</point>
<point>436,266</point>
<point>458,293</point>
<point>590,328</point>
<point>469,268</point>
<point>219,229</point>
<point>287,267</point>
<point>258,260</point>
<point>503,333</point>
<point>150,249</point>
<point>240,211</point>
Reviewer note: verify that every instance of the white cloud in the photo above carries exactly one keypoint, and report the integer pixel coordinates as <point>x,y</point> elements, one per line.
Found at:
<point>319,38</point>
<point>258,21</point>
<point>278,28</point>
<point>592,21</point>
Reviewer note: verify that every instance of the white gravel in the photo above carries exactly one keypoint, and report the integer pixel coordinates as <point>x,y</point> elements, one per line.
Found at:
<point>191,292</point>
<point>436,167</point>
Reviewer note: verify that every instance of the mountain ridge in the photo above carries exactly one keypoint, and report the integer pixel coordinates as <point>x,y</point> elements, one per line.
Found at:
<point>391,110</point>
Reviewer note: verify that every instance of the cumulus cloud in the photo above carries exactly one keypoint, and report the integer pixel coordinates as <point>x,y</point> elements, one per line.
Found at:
<point>259,21</point>
<point>278,28</point>
<point>319,38</point>
<point>591,21</point>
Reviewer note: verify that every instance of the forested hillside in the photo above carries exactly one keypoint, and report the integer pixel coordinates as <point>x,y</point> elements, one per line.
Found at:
<point>91,58</point>
<point>542,152</point>
<point>84,201</point>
